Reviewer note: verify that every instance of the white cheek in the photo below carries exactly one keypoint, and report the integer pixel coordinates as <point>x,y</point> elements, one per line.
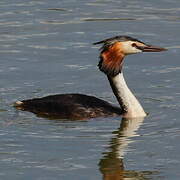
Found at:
<point>129,49</point>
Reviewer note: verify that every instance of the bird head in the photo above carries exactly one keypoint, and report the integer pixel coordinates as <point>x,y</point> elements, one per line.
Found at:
<point>115,49</point>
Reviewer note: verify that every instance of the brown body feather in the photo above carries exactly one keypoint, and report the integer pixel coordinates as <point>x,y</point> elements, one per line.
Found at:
<point>69,106</point>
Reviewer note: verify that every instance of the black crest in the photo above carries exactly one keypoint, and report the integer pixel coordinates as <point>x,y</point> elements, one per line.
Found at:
<point>110,41</point>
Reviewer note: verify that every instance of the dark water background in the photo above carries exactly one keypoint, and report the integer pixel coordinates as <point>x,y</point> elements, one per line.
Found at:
<point>46,48</point>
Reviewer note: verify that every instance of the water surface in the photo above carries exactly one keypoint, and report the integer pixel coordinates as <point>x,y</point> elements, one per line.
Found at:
<point>46,48</point>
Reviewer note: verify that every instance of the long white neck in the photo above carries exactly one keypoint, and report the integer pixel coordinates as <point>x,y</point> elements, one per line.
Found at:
<point>131,107</point>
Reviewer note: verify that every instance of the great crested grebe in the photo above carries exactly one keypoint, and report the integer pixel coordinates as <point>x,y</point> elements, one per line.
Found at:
<point>79,106</point>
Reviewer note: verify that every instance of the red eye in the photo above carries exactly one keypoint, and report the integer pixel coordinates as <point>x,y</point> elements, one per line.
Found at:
<point>134,45</point>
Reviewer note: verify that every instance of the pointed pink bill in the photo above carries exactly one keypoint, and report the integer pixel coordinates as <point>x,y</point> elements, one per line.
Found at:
<point>150,48</point>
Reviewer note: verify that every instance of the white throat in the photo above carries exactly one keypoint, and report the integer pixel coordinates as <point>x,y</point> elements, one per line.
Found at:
<point>130,105</point>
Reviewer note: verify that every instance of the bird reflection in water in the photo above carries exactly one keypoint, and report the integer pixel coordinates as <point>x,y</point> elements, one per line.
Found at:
<point>111,165</point>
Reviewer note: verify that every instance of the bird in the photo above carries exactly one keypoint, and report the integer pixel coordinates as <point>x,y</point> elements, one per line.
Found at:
<point>76,106</point>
